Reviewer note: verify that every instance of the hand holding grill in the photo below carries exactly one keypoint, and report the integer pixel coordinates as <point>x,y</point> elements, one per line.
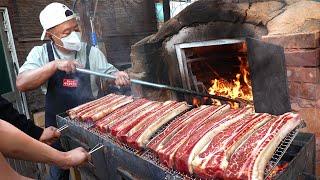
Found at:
<point>50,135</point>
<point>75,157</point>
<point>122,78</point>
<point>67,65</point>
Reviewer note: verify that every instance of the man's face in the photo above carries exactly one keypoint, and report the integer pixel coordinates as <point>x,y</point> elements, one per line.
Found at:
<point>63,30</point>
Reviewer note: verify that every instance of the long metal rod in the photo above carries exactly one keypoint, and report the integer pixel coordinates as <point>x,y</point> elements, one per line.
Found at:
<point>96,148</point>
<point>160,86</point>
<point>62,128</point>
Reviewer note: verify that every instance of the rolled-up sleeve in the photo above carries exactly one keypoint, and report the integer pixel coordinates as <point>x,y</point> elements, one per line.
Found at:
<point>34,60</point>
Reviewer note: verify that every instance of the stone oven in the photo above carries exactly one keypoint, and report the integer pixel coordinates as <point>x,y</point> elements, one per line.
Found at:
<point>293,25</point>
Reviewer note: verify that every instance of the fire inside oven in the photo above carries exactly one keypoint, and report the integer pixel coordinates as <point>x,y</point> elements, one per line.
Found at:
<point>218,67</point>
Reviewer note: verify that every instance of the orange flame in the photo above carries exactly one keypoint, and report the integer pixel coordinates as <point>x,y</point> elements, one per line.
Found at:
<point>240,87</point>
<point>196,102</point>
<point>278,169</point>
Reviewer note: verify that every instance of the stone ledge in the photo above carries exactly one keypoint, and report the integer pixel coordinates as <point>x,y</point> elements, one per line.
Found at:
<point>302,57</point>
<point>297,40</point>
<point>303,74</point>
<point>308,91</point>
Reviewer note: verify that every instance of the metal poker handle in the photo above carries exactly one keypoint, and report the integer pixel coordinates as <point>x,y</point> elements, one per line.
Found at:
<point>96,148</point>
<point>160,86</point>
<point>63,127</point>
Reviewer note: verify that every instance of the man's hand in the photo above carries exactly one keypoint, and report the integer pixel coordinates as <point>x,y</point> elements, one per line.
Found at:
<point>67,65</point>
<point>122,78</point>
<point>49,135</point>
<point>75,157</point>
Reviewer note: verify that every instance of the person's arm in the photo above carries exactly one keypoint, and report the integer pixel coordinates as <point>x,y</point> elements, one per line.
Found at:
<point>18,145</point>
<point>20,121</point>
<point>36,70</point>
<point>32,79</point>
<point>6,172</point>
<point>11,115</point>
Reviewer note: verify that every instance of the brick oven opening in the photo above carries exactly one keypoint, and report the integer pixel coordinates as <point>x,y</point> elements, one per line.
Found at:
<point>218,67</point>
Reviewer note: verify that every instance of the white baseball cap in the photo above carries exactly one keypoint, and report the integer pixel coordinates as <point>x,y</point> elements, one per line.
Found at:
<point>53,15</point>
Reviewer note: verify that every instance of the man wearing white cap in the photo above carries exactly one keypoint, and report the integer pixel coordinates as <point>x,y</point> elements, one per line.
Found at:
<point>52,66</point>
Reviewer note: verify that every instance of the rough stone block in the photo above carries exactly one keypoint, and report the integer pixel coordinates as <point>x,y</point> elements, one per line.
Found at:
<point>294,90</point>
<point>318,103</point>
<point>298,40</point>
<point>302,57</point>
<point>309,91</point>
<point>303,74</point>
<point>318,148</point>
<point>305,103</point>
<point>295,106</point>
<point>311,117</point>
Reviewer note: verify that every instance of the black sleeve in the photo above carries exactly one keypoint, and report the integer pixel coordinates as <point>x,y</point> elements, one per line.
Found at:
<point>12,116</point>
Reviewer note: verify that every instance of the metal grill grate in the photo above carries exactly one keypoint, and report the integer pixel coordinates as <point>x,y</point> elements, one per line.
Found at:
<point>152,158</point>
<point>89,127</point>
<point>281,150</point>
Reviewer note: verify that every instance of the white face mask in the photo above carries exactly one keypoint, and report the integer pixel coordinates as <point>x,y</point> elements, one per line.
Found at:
<point>72,41</point>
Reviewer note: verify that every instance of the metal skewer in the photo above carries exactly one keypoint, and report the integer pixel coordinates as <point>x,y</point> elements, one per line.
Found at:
<point>90,164</point>
<point>96,148</point>
<point>63,127</point>
<point>160,86</point>
<point>91,126</point>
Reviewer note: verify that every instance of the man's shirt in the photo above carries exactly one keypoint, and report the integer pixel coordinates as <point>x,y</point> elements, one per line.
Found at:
<point>38,57</point>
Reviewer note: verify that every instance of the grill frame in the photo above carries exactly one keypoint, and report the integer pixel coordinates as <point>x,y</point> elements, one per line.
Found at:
<point>118,160</point>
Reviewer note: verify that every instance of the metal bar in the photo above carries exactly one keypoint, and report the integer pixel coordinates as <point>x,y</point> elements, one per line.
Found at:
<point>96,148</point>
<point>62,128</point>
<point>161,86</point>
